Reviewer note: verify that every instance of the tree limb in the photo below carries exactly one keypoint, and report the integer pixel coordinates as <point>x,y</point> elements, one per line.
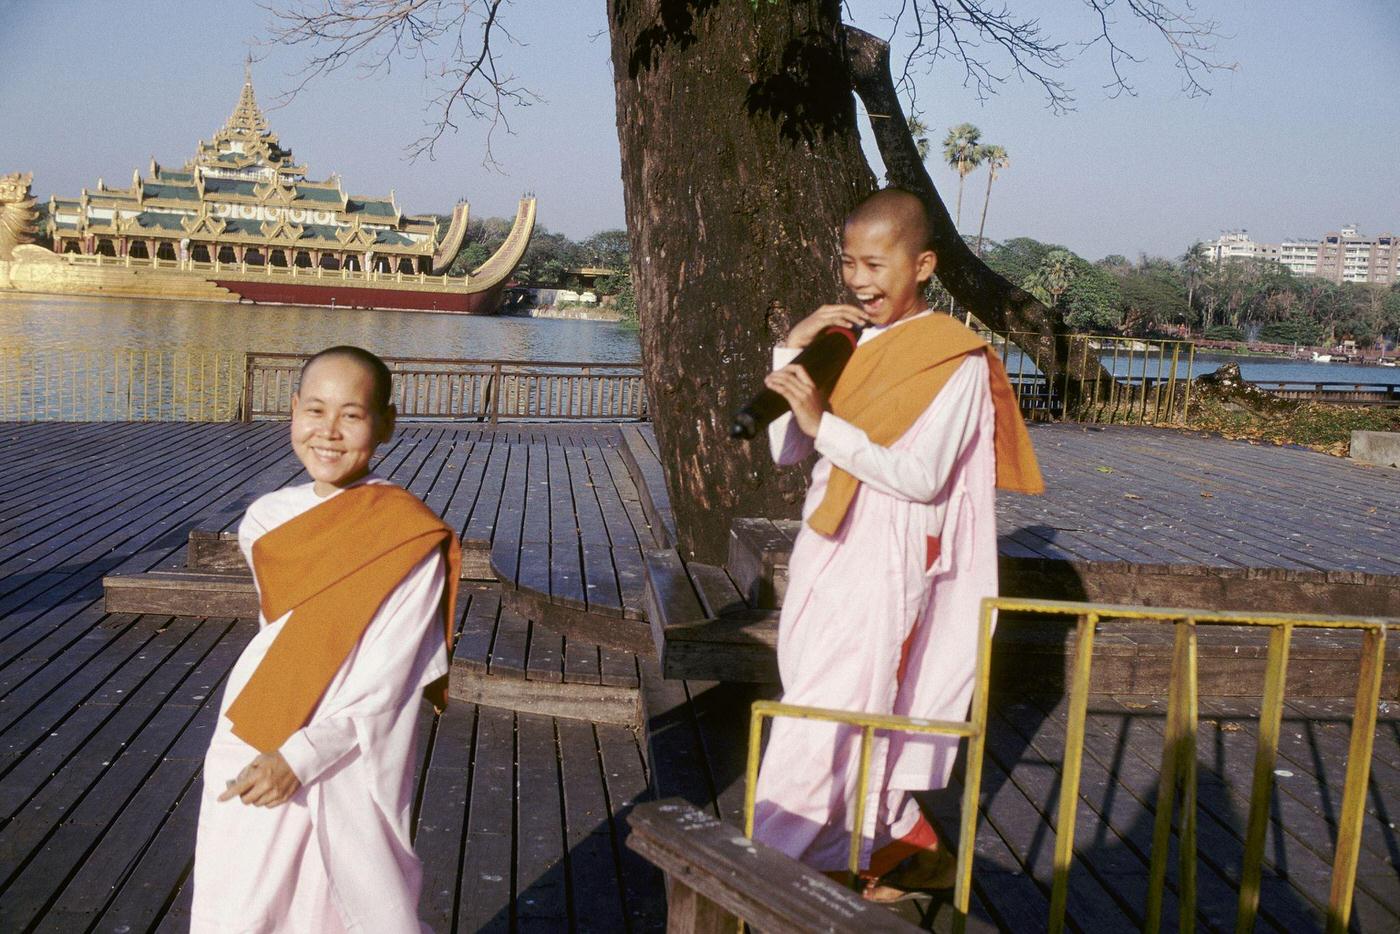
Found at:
<point>1040,331</point>
<point>991,45</point>
<point>455,40</point>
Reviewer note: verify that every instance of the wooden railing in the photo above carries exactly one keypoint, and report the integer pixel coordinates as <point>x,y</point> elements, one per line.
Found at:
<point>1334,392</point>
<point>484,390</point>
<point>121,384</point>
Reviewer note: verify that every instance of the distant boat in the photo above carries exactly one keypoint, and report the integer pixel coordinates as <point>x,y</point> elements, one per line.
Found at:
<point>1321,357</point>
<point>1384,362</point>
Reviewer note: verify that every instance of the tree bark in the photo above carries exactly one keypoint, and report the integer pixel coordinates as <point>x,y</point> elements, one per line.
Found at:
<point>740,159</point>
<point>999,304</point>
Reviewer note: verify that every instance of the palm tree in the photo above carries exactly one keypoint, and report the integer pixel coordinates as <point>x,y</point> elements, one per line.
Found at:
<point>962,152</point>
<point>1193,267</point>
<point>1053,278</point>
<point>996,158</point>
<point>918,129</point>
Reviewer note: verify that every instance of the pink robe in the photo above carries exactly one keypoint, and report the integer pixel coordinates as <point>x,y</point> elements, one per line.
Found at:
<point>337,856</point>
<point>853,601</point>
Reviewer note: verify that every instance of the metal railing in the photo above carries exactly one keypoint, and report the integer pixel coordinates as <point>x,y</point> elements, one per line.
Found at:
<point>1179,763</point>
<point>122,384</point>
<point>1333,392</point>
<point>486,390</point>
<point>1136,381</point>
<point>1140,381</point>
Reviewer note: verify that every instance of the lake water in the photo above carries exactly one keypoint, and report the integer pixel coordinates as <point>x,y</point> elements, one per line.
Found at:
<point>45,323</point>
<point>40,323</point>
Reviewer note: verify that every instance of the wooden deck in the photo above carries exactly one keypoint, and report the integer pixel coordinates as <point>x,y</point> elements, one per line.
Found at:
<point>104,716</point>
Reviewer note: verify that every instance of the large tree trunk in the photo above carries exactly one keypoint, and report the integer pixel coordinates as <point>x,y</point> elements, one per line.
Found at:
<point>740,159</point>
<point>999,304</point>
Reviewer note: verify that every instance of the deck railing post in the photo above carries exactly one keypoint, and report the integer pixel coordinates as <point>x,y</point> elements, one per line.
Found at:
<point>1358,774</point>
<point>495,397</point>
<point>1068,808</point>
<point>1270,717</point>
<point>246,413</point>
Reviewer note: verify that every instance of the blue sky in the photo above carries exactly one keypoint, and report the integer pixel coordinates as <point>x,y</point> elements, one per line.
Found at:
<point>1302,137</point>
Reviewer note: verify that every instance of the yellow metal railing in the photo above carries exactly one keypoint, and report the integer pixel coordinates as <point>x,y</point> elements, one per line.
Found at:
<point>1136,381</point>
<point>121,384</point>
<point>1140,382</point>
<point>1179,763</point>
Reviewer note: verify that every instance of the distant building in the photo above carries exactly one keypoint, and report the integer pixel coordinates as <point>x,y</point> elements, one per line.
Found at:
<point>1233,244</point>
<point>1340,256</point>
<point>1348,256</point>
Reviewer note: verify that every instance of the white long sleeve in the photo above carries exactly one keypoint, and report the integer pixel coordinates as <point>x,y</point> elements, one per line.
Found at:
<point>788,443</point>
<point>387,667</point>
<point>916,472</point>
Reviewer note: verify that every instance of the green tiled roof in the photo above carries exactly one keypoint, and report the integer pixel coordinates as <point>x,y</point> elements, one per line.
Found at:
<point>168,176</point>
<point>378,208</point>
<point>178,192</point>
<point>229,186</point>
<point>152,221</point>
<point>323,195</point>
<point>319,232</point>
<point>392,237</point>
<point>244,225</point>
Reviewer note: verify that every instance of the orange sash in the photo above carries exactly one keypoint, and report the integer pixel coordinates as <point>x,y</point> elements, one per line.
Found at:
<point>333,566</point>
<point>892,379</point>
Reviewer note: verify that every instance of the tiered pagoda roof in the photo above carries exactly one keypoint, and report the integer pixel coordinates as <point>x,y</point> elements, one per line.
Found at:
<point>244,188</point>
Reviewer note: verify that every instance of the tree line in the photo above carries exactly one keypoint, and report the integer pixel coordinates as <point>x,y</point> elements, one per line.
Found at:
<point>1192,295</point>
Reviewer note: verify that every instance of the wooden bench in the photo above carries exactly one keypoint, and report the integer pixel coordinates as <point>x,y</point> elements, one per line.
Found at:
<point>716,876</point>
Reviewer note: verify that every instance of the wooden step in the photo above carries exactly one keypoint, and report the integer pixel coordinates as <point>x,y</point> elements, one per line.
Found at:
<point>703,631</point>
<point>647,474</point>
<point>219,551</point>
<point>198,593</point>
<point>759,550</point>
<point>758,558</point>
<point>701,625</point>
<point>502,659</point>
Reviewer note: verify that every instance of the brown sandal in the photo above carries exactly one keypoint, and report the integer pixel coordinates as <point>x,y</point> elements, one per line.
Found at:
<point>927,871</point>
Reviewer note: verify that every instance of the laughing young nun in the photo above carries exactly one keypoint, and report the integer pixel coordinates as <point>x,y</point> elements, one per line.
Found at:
<point>896,551</point>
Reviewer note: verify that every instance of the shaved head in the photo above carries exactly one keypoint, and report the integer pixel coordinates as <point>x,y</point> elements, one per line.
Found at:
<point>383,379</point>
<point>902,211</point>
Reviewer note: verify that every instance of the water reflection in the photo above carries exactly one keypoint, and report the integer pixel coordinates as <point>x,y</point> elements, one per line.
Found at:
<point>41,322</point>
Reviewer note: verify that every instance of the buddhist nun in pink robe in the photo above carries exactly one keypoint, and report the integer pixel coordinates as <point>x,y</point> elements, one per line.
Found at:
<point>338,855</point>
<point>881,613</point>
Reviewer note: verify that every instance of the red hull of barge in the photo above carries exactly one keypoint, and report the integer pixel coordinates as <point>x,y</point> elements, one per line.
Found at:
<point>341,295</point>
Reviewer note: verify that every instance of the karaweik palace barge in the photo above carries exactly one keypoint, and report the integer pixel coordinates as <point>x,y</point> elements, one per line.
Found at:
<point>242,222</point>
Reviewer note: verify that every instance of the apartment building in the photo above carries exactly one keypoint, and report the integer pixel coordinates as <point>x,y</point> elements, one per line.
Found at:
<point>1344,255</point>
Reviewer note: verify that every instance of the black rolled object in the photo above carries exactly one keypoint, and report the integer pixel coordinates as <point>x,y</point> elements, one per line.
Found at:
<point>823,359</point>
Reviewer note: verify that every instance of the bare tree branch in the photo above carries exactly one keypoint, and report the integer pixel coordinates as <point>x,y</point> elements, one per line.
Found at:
<point>1040,331</point>
<point>992,44</point>
<point>457,43</point>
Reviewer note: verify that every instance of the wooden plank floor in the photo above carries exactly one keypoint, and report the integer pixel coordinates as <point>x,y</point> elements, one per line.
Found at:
<point>1151,496</point>
<point>697,739</point>
<point>104,718</point>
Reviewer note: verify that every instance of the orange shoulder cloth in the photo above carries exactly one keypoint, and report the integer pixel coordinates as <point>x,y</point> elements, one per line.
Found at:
<point>334,566</point>
<point>890,381</point>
